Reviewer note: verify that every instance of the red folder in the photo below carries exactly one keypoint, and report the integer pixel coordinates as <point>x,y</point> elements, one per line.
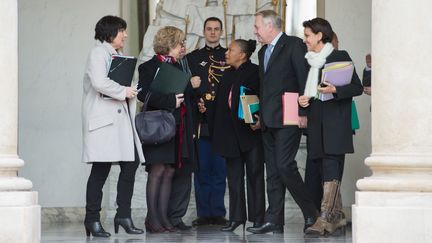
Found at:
<point>290,108</point>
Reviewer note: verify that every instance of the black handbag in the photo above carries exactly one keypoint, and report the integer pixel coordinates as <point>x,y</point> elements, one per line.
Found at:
<point>154,127</point>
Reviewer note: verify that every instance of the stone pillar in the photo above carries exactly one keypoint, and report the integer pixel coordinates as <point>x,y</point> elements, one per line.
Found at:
<point>19,212</point>
<point>395,203</point>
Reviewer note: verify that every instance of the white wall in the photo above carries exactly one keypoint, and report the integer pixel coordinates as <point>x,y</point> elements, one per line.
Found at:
<point>351,20</point>
<point>54,39</point>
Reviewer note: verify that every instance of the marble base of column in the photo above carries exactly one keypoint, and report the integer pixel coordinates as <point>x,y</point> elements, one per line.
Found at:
<point>20,217</point>
<point>19,209</point>
<point>396,217</point>
<point>395,203</point>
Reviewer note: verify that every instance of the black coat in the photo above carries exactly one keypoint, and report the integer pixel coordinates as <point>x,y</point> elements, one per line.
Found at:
<point>157,100</point>
<point>329,122</point>
<point>287,72</point>
<point>232,135</point>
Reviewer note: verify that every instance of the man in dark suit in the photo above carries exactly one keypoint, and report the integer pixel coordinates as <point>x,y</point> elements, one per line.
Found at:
<point>283,68</point>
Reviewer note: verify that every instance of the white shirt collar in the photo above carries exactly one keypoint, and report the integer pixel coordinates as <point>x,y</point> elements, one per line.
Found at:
<point>276,39</point>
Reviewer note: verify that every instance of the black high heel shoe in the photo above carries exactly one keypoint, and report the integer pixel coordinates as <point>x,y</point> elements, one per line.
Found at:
<point>96,229</point>
<point>127,225</point>
<point>232,225</point>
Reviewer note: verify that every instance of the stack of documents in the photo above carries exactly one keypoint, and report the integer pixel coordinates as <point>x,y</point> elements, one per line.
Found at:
<point>250,107</point>
<point>338,74</point>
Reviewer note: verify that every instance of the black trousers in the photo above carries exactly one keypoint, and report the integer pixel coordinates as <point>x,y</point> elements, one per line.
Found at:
<point>313,180</point>
<point>332,167</point>
<point>254,161</point>
<point>328,168</point>
<point>180,196</point>
<point>125,186</point>
<point>280,149</point>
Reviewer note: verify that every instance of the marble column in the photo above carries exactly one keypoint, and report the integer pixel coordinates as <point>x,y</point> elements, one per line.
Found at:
<point>19,212</point>
<point>395,203</point>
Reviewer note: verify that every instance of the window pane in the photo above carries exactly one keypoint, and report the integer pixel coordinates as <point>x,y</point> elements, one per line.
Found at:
<point>298,11</point>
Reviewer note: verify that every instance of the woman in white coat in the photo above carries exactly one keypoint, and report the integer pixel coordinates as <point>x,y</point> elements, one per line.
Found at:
<point>109,134</point>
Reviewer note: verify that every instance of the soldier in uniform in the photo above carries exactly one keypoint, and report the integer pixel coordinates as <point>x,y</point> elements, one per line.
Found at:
<point>210,181</point>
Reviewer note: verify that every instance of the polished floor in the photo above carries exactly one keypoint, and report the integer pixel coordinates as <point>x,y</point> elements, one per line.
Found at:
<point>74,233</point>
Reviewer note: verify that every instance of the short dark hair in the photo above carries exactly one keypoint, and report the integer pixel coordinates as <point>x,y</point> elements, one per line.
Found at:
<point>320,25</point>
<point>213,19</point>
<point>246,46</point>
<point>108,27</point>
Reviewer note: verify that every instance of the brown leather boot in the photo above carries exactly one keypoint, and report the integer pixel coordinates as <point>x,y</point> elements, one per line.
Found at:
<point>325,223</point>
<point>339,216</point>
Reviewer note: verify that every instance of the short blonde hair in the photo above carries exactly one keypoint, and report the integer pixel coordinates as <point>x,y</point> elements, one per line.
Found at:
<point>167,38</point>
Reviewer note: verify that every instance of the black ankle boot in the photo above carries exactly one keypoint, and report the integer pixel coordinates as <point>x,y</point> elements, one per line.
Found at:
<point>127,225</point>
<point>96,229</point>
<point>232,225</point>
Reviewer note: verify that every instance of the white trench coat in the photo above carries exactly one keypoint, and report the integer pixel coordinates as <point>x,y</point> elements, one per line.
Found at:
<point>108,125</point>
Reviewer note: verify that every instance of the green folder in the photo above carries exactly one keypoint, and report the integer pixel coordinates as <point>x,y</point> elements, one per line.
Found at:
<point>355,123</point>
<point>253,109</point>
<point>169,79</point>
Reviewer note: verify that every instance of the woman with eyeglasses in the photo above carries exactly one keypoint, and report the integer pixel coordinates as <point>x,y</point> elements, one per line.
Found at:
<point>163,159</point>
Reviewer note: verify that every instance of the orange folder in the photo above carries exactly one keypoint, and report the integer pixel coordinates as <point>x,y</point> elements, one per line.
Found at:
<point>290,108</point>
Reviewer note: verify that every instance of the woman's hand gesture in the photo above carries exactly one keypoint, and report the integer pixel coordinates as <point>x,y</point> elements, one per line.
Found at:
<point>179,100</point>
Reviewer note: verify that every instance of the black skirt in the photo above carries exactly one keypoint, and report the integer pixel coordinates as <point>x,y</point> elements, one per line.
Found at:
<point>160,153</point>
<point>166,153</point>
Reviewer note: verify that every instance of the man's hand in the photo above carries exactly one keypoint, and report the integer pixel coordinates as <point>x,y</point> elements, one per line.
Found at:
<point>303,101</point>
<point>195,81</point>
<point>201,106</point>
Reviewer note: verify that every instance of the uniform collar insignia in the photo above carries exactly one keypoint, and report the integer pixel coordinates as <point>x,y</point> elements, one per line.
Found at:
<point>203,63</point>
<point>208,48</point>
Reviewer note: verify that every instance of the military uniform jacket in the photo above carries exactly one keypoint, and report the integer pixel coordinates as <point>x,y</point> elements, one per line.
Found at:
<point>209,64</point>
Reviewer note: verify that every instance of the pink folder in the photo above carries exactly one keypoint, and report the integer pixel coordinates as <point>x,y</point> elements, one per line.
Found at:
<point>290,108</point>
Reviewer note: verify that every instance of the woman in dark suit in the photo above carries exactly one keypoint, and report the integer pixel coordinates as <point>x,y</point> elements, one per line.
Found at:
<point>238,142</point>
<point>329,122</point>
<point>161,159</point>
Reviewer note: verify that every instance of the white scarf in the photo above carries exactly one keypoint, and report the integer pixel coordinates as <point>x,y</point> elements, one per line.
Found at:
<point>316,61</point>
